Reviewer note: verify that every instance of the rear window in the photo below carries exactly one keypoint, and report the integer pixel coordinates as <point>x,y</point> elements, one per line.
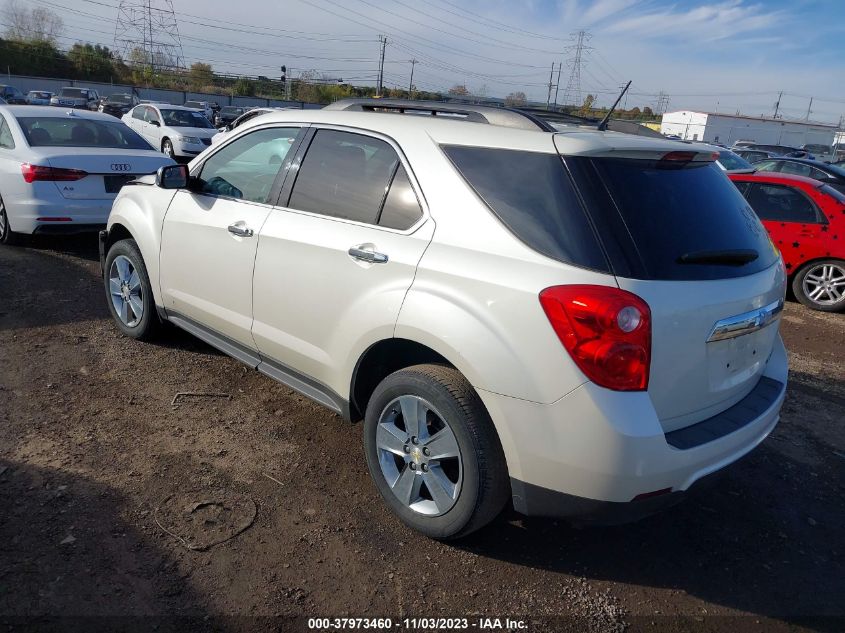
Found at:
<point>74,93</point>
<point>79,132</point>
<point>532,195</point>
<point>676,215</point>
<point>731,161</point>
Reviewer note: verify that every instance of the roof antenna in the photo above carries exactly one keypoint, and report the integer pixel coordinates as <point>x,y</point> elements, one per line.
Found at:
<point>603,124</point>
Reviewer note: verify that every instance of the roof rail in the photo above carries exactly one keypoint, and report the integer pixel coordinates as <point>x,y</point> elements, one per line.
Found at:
<point>505,117</point>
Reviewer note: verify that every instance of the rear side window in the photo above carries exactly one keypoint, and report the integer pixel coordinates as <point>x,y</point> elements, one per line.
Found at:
<point>798,169</point>
<point>344,175</point>
<point>6,140</point>
<point>532,195</point>
<point>780,203</point>
<point>401,208</point>
<point>682,219</point>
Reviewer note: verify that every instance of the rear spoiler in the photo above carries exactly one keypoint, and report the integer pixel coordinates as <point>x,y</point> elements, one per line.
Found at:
<point>630,147</point>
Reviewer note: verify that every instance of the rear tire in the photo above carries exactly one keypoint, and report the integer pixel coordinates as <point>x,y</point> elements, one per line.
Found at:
<point>820,285</point>
<point>444,474</point>
<point>7,236</point>
<point>129,293</point>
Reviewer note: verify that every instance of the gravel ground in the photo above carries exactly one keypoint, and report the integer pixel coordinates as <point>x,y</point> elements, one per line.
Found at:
<point>98,470</point>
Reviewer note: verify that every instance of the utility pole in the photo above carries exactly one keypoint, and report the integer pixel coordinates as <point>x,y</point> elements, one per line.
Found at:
<point>411,83</point>
<point>383,40</point>
<point>807,118</point>
<point>777,105</point>
<point>557,83</point>
<point>549,96</point>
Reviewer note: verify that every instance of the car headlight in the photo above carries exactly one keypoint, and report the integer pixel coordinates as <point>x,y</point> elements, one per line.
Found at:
<point>190,140</point>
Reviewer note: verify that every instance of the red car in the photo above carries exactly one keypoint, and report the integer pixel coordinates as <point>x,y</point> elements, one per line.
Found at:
<point>806,220</point>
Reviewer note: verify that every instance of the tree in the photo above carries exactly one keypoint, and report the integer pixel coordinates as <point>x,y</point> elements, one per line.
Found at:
<point>459,90</point>
<point>516,100</point>
<point>91,62</point>
<point>244,87</point>
<point>648,112</point>
<point>31,25</point>
<point>201,75</point>
<point>587,106</point>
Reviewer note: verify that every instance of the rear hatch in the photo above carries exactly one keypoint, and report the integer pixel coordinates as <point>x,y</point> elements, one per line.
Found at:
<point>679,235</point>
<point>106,173</point>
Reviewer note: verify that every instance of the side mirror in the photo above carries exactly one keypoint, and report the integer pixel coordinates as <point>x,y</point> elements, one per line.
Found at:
<point>172,177</point>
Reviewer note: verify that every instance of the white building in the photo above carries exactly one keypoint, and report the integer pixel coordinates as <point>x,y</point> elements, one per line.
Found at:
<point>727,129</point>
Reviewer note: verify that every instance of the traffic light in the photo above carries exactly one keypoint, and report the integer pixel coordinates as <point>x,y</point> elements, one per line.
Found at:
<point>284,74</point>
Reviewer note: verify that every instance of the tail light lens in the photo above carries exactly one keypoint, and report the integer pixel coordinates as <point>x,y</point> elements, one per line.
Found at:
<point>607,332</point>
<point>31,173</point>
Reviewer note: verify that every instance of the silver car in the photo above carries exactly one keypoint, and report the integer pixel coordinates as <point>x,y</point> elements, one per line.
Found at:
<point>60,170</point>
<point>82,98</point>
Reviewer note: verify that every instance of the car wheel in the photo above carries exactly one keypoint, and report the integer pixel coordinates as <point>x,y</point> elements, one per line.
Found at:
<point>167,148</point>
<point>128,291</point>
<point>433,452</point>
<point>821,285</point>
<point>7,236</point>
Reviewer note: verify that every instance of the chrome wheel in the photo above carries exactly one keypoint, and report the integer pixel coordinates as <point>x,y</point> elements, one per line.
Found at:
<point>419,456</point>
<point>825,284</point>
<point>126,292</point>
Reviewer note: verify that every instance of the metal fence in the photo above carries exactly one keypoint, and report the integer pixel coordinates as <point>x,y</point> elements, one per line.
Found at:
<point>176,97</point>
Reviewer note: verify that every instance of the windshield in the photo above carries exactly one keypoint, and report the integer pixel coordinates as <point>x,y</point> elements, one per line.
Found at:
<point>120,99</point>
<point>45,131</point>
<point>73,93</point>
<point>184,118</point>
<point>731,161</point>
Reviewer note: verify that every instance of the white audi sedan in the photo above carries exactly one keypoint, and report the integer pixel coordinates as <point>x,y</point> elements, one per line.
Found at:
<point>177,131</point>
<point>61,169</point>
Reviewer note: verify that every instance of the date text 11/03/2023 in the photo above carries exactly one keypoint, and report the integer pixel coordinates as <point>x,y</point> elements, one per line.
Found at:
<point>430,624</point>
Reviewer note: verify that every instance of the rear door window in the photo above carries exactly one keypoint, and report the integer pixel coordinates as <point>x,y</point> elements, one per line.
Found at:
<point>401,208</point>
<point>768,165</point>
<point>533,196</point>
<point>781,203</point>
<point>797,169</point>
<point>344,175</point>
<point>679,220</point>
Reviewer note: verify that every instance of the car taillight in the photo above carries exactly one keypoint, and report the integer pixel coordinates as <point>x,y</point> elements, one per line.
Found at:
<point>31,173</point>
<point>607,332</point>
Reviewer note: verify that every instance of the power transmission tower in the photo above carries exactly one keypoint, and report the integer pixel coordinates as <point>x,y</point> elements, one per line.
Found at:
<point>146,33</point>
<point>572,94</point>
<point>383,41</point>
<point>662,103</point>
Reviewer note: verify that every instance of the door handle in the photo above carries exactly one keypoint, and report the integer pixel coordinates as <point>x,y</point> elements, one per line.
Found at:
<point>367,256</point>
<point>240,231</point>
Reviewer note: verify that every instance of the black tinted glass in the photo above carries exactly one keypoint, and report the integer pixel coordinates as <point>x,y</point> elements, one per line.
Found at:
<point>344,175</point>
<point>49,131</point>
<point>530,192</point>
<point>401,207</point>
<point>690,210</point>
<point>780,203</point>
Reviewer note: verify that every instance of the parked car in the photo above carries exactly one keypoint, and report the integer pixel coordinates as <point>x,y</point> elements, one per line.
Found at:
<point>60,170</point>
<point>202,106</point>
<point>754,155</point>
<point>806,220</point>
<point>226,115</point>
<point>81,98</point>
<point>820,152</point>
<point>780,150</point>
<point>179,132</point>
<point>249,115</point>
<point>823,172</point>
<point>119,104</point>
<point>12,95</point>
<point>39,97</point>
<point>586,334</point>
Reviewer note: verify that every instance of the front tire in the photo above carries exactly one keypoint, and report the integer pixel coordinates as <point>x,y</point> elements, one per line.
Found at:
<point>433,452</point>
<point>167,148</point>
<point>129,293</point>
<point>820,285</point>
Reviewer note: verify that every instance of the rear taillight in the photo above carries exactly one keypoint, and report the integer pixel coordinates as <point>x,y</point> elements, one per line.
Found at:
<point>31,173</point>
<point>607,331</point>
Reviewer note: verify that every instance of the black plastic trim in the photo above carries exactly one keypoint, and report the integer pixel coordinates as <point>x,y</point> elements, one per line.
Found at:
<point>764,395</point>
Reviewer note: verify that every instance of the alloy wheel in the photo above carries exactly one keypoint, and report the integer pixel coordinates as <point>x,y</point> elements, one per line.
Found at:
<point>419,456</point>
<point>825,284</point>
<point>3,221</point>
<point>126,292</point>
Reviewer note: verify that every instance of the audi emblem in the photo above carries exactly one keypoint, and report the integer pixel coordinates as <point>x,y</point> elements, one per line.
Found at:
<point>121,167</point>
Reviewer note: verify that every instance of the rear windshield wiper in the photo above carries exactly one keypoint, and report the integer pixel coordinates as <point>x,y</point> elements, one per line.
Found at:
<point>737,257</point>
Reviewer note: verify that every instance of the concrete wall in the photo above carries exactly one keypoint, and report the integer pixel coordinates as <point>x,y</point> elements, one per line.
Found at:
<point>176,97</point>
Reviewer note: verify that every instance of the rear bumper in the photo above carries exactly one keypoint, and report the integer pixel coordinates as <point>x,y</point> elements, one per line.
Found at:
<point>33,215</point>
<point>66,228</point>
<point>600,454</point>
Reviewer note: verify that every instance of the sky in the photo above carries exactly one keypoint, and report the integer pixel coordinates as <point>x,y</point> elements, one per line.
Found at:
<point>718,55</point>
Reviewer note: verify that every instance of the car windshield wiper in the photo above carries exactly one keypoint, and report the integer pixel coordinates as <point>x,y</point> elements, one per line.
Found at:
<point>737,257</point>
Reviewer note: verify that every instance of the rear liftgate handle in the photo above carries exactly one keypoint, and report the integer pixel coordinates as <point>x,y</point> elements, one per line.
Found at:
<point>366,255</point>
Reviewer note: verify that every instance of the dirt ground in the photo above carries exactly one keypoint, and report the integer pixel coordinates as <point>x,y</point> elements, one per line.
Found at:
<point>96,463</point>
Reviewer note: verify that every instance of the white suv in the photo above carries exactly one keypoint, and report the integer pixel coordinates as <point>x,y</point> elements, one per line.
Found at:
<point>584,322</point>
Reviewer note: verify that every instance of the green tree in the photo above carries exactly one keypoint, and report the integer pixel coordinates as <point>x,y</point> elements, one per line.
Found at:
<point>201,75</point>
<point>587,105</point>
<point>516,100</point>
<point>244,87</point>
<point>91,62</point>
